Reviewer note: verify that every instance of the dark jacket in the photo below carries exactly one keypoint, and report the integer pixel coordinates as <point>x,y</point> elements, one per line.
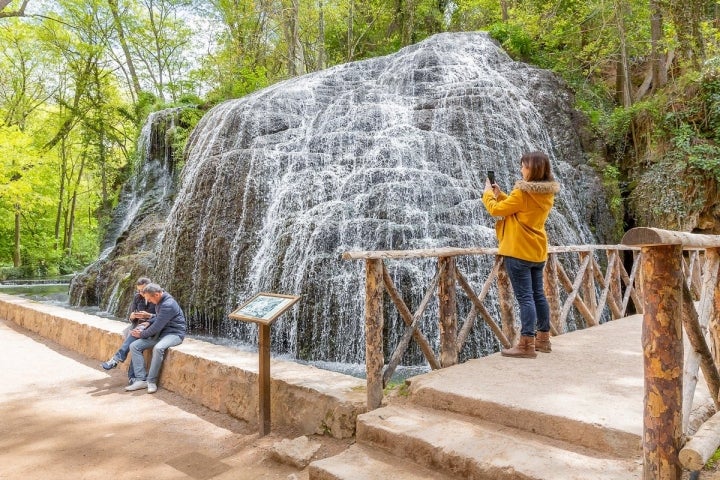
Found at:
<point>139,304</point>
<point>169,319</point>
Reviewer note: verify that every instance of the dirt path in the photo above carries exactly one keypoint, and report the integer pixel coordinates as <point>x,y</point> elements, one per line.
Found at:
<point>63,417</point>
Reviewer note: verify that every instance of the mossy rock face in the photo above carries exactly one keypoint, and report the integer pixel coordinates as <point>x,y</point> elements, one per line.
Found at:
<point>109,283</point>
<point>82,289</point>
<point>673,195</point>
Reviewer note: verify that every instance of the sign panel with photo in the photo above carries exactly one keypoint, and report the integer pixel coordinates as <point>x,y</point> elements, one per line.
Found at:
<point>264,307</point>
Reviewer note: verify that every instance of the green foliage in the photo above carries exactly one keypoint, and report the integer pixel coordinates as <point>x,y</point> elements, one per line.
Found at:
<point>514,39</point>
<point>611,182</point>
<point>475,14</point>
<point>71,106</point>
<point>397,388</point>
<point>188,118</point>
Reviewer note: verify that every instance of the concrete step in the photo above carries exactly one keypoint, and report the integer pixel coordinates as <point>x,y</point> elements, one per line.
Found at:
<point>362,462</point>
<point>588,391</point>
<point>470,448</point>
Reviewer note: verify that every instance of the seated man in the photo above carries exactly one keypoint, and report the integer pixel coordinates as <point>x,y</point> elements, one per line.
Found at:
<point>167,330</point>
<point>140,311</point>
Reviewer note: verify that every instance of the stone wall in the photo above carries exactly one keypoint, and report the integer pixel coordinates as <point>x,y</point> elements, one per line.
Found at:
<point>220,378</point>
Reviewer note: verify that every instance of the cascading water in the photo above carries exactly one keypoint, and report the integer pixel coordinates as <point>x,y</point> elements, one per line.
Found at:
<point>150,185</point>
<point>387,153</point>
<point>130,240</point>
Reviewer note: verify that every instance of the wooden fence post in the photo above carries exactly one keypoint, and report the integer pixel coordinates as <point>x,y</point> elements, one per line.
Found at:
<point>710,300</point>
<point>663,360</point>
<point>374,358</point>
<point>588,287</point>
<point>506,299</point>
<point>448,312</point>
<point>552,292</point>
<point>694,357</point>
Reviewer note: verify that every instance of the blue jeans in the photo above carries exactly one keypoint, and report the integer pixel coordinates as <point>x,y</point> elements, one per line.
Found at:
<point>527,282</point>
<point>122,353</point>
<point>159,346</point>
<point>124,349</point>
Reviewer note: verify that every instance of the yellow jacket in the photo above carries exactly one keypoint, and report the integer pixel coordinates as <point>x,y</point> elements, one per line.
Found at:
<point>521,233</point>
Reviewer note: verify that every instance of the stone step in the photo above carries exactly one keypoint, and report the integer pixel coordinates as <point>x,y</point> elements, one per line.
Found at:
<point>588,391</point>
<point>362,462</point>
<point>470,448</point>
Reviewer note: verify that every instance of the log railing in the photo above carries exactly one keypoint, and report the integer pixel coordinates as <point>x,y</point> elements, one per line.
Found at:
<point>678,287</point>
<point>671,285</point>
<point>600,287</point>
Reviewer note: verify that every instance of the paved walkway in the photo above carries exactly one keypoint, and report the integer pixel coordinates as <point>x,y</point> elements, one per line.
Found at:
<point>63,417</point>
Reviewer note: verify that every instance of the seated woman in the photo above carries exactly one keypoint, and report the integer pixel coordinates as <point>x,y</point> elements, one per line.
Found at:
<point>142,313</point>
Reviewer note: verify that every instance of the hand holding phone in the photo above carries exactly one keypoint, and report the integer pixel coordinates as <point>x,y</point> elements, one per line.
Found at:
<point>491,177</point>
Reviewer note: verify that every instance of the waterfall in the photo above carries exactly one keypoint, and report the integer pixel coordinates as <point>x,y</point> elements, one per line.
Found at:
<point>113,304</point>
<point>131,238</point>
<point>152,179</point>
<point>386,153</point>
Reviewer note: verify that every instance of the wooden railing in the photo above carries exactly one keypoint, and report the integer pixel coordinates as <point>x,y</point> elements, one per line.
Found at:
<point>670,288</point>
<point>589,284</point>
<point>585,283</point>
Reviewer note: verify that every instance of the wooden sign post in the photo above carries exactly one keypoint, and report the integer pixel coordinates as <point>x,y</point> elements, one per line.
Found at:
<point>264,309</point>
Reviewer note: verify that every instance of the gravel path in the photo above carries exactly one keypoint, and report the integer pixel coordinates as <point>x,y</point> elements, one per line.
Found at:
<point>64,417</point>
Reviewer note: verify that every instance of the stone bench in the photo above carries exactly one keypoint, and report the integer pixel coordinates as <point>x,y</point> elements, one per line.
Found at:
<point>309,399</point>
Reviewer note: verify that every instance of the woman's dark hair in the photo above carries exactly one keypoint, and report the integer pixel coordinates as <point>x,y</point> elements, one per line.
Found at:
<point>539,165</point>
<point>143,281</point>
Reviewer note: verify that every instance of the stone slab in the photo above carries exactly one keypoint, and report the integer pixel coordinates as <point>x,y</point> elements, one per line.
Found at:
<point>469,448</point>
<point>360,462</point>
<point>588,391</point>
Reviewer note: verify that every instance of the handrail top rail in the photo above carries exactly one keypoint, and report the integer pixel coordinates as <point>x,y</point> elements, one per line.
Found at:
<point>646,237</point>
<point>458,251</point>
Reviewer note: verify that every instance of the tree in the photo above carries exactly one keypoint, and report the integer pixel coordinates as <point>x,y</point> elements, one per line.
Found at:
<point>658,71</point>
<point>20,12</point>
<point>24,67</point>
<point>296,56</point>
<point>129,62</point>
<point>159,39</point>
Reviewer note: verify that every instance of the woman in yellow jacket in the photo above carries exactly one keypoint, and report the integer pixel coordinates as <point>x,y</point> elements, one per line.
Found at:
<point>523,244</point>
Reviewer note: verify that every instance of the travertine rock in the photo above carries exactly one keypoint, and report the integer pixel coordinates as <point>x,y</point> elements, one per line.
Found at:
<point>297,452</point>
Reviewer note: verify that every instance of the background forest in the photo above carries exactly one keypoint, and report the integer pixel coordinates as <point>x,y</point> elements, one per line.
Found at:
<point>79,77</point>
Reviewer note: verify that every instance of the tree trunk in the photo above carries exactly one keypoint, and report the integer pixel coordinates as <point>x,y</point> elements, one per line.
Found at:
<point>71,218</point>
<point>296,62</point>
<point>16,249</point>
<point>350,39</point>
<point>407,21</point>
<point>321,61</point>
<point>657,58</point>
<point>20,12</point>
<point>687,16</point>
<point>624,92</point>
<point>505,7</point>
<point>61,193</point>
<point>126,50</point>
<point>71,225</point>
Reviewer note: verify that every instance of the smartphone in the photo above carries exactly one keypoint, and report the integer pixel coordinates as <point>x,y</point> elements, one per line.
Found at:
<point>491,177</point>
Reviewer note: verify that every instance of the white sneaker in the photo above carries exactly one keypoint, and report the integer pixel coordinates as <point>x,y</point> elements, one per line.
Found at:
<point>152,387</point>
<point>136,385</point>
